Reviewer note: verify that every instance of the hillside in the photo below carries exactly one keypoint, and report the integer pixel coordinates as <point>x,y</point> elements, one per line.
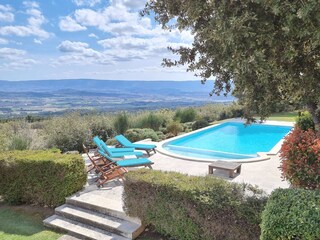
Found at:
<point>45,97</point>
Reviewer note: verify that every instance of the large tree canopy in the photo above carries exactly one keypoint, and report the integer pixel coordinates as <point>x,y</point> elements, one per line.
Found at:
<point>268,50</point>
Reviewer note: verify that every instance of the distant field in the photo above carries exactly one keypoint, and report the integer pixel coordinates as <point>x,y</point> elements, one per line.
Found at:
<point>285,116</point>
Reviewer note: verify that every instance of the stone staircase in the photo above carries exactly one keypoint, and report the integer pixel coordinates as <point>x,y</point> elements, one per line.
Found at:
<point>96,214</point>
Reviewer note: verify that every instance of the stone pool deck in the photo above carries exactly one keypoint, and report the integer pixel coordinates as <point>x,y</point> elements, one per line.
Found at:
<point>265,174</point>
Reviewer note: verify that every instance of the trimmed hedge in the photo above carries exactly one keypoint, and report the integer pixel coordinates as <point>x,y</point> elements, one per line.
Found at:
<point>188,207</point>
<point>292,214</point>
<point>40,177</point>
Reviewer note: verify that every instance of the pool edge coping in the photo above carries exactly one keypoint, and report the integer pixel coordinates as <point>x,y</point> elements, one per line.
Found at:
<point>262,156</point>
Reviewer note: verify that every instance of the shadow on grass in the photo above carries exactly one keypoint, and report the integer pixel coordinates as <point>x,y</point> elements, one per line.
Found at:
<point>24,222</point>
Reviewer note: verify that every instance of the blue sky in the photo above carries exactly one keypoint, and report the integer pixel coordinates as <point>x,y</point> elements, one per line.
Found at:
<point>98,39</point>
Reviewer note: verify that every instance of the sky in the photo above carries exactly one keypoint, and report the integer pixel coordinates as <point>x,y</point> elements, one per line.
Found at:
<point>95,39</point>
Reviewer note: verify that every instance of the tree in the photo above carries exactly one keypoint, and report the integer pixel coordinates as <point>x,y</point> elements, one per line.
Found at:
<point>264,52</point>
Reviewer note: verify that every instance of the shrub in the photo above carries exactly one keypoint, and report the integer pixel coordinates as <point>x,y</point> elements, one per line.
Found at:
<point>186,207</point>
<point>19,143</point>
<point>291,214</point>
<point>187,127</point>
<point>40,177</point>
<point>153,121</point>
<point>305,121</point>
<point>121,123</point>
<point>101,128</point>
<point>185,115</point>
<point>174,128</point>
<point>300,159</point>
<point>160,135</point>
<point>67,133</point>
<point>112,142</point>
<point>199,124</point>
<point>137,134</point>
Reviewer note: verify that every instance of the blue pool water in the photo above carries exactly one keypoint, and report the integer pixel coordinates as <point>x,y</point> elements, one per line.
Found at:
<point>230,140</point>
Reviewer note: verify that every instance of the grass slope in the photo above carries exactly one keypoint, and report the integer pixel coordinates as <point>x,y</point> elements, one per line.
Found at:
<point>284,116</point>
<point>24,223</point>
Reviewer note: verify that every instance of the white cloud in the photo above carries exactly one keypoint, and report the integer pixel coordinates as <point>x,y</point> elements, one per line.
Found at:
<point>11,53</point>
<point>13,58</point>
<point>21,63</point>
<point>37,41</point>
<point>68,46</point>
<point>92,35</point>
<point>34,26</point>
<point>89,3</point>
<point>6,8</point>
<point>130,48</point>
<point>30,4</point>
<point>6,14</point>
<point>131,4</point>
<point>79,48</point>
<point>91,18</point>
<point>70,25</point>
<point>3,41</point>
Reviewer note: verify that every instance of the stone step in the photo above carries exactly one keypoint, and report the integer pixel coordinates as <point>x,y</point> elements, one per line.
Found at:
<point>101,204</point>
<point>105,222</point>
<point>80,230</point>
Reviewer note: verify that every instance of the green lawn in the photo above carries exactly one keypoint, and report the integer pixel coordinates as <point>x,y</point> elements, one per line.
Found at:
<point>285,116</point>
<point>24,223</point>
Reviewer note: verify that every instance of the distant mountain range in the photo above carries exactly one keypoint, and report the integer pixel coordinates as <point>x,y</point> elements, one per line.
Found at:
<point>52,96</point>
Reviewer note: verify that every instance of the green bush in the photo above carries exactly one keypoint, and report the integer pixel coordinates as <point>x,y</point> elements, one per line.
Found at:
<point>153,121</point>
<point>185,115</point>
<point>200,124</point>
<point>305,121</point>
<point>291,214</point>
<point>121,123</point>
<point>185,207</point>
<point>40,177</point>
<point>137,134</point>
<point>101,128</point>
<point>19,143</point>
<point>174,128</point>
<point>67,133</point>
<point>112,142</point>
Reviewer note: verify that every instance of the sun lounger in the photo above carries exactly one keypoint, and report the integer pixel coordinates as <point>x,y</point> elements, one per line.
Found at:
<point>132,162</point>
<point>123,141</point>
<point>115,152</point>
<point>107,170</point>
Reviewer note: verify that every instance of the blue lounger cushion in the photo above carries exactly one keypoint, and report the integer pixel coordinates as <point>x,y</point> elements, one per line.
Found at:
<point>126,143</point>
<point>99,142</point>
<point>132,162</point>
<point>117,154</point>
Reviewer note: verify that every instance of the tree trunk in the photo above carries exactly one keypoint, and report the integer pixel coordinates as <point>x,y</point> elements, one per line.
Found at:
<point>312,107</point>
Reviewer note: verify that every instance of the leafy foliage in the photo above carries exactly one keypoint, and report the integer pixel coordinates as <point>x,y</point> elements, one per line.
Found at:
<point>152,120</point>
<point>268,50</point>
<point>305,121</point>
<point>67,133</point>
<point>174,128</point>
<point>40,177</point>
<point>137,134</point>
<point>185,115</point>
<point>199,124</point>
<point>121,123</point>
<point>186,207</point>
<point>300,161</point>
<point>291,214</point>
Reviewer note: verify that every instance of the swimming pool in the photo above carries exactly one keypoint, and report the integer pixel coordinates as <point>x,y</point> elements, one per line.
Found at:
<point>228,141</point>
